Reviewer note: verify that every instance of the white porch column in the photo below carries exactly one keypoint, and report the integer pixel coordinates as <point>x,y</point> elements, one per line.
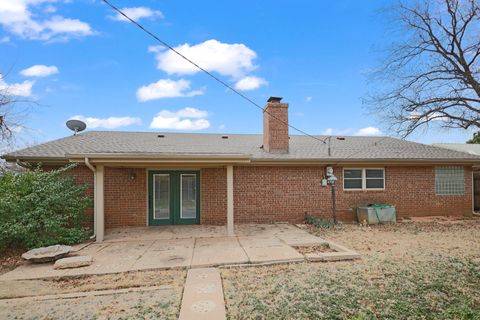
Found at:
<point>230,230</point>
<point>99,203</point>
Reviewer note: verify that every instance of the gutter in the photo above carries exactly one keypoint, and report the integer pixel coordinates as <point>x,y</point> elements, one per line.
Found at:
<point>94,170</point>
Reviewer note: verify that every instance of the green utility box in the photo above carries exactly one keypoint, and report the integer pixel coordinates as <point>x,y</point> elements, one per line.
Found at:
<point>377,213</point>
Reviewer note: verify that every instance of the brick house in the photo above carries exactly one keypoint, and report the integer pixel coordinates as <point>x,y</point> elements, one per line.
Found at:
<point>147,178</point>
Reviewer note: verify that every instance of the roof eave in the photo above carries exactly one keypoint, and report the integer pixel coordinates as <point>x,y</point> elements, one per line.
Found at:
<point>324,161</point>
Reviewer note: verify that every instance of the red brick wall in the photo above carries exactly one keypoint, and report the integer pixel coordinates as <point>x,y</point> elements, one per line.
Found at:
<point>125,199</point>
<point>275,132</point>
<point>273,194</point>
<point>213,196</point>
<point>84,175</point>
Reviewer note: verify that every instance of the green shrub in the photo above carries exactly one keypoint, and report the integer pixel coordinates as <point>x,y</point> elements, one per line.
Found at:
<point>40,208</point>
<point>319,222</point>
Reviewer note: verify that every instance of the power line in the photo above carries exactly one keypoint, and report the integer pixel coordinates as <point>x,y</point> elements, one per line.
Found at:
<point>151,34</point>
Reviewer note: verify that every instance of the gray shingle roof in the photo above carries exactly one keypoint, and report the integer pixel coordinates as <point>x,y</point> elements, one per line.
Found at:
<point>463,147</point>
<point>301,147</point>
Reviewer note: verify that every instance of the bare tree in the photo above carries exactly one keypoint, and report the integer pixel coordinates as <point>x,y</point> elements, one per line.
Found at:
<point>13,112</point>
<point>432,73</point>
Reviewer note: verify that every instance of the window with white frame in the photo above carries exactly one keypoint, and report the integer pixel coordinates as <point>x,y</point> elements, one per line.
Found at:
<point>363,178</point>
<point>449,181</point>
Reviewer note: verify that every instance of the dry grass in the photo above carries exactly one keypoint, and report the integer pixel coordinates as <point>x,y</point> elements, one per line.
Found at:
<point>156,304</point>
<point>39,287</point>
<point>407,271</point>
<point>314,249</point>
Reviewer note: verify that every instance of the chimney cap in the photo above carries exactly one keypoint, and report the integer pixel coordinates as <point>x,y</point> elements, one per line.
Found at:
<point>274,99</point>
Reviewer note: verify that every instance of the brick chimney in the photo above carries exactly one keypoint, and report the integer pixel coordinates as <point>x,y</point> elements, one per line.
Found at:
<point>275,126</point>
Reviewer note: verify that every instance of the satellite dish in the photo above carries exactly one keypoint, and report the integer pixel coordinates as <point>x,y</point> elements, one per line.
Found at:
<point>76,126</point>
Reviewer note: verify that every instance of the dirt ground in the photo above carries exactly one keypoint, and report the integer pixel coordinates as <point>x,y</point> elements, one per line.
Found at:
<point>144,301</point>
<point>412,270</point>
<point>10,259</point>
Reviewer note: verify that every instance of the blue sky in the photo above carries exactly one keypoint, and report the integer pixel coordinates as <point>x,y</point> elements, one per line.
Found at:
<point>76,58</point>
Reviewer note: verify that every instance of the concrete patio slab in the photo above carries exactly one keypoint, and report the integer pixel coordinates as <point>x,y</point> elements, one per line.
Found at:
<point>188,246</point>
<point>299,238</point>
<point>216,251</point>
<point>203,296</point>
<point>268,249</point>
<point>167,253</point>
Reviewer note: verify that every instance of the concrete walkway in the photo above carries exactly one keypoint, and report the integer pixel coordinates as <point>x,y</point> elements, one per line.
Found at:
<point>131,249</point>
<point>203,296</point>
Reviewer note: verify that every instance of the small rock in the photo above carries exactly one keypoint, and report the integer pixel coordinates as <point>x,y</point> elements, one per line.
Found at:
<point>47,254</point>
<point>73,262</point>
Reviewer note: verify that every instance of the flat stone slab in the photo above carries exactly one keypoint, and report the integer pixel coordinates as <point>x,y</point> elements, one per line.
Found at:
<point>203,296</point>
<point>73,262</point>
<point>47,254</point>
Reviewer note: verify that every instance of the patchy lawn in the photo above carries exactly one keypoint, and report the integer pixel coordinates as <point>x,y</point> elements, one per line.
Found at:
<point>408,271</point>
<point>142,302</point>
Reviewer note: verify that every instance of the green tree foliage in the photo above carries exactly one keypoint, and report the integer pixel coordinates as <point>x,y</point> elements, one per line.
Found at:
<point>475,139</point>
<point>40,208</point>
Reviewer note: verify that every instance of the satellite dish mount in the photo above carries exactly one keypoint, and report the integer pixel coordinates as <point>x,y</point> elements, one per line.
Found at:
<point>76,126</point>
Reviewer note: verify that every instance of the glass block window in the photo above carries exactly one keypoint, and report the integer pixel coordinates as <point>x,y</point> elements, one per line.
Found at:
<point>449,181</point>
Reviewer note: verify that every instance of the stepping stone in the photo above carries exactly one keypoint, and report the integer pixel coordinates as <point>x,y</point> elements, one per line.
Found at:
<point>73,262</point>
<point>47,254</point>
<point>203,296</point>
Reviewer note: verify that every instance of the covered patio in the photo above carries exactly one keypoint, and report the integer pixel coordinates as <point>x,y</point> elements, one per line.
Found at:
<point>186,246</point>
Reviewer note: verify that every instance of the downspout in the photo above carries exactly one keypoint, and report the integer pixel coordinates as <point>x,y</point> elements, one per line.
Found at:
<point>94,170</point>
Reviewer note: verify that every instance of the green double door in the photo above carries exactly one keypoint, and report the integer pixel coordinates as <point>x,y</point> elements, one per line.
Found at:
<point>173,197</point>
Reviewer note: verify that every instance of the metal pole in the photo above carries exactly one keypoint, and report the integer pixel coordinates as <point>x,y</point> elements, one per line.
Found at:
<point>334,205</point>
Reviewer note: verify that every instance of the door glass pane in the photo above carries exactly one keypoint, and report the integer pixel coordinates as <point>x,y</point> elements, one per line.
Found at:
<point>161,198</point>
<point>188,196</point>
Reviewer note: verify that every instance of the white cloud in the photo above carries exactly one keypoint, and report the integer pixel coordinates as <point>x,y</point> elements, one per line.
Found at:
<point>233,60</point>
<point>137,13</point>
<point>327,132</point>
<point>108,123</point>
<point>23,89</point>
<point>20,17</point>
<point>336,132</point>
<point>308,99</point>
<point>5,40</point>
<point>368,131</point>
<point>166,88</point>
<point>250,83</point>
<point>434,116</point>
<point>39,71</point>
<point>184,119</point>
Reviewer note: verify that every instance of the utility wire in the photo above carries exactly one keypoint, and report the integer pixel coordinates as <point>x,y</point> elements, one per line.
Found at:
<point>151,34</point>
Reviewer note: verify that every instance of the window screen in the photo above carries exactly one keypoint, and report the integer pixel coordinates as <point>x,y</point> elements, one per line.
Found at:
<point>374,178</point>
<point>363,178</point>
<point>449,181</point>
<point>352,179</point>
